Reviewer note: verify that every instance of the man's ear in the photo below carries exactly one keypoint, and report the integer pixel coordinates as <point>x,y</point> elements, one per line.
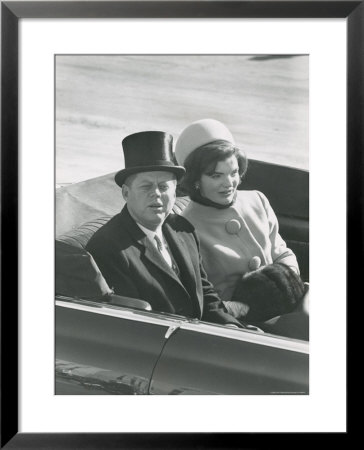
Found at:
<point>125,191</point>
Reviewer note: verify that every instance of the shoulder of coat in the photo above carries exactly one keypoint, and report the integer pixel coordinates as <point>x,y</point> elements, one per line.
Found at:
<point>248,196</point>
<point>179,223</point>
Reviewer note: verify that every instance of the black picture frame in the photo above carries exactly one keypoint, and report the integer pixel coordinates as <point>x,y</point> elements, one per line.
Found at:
<point>11,13</point>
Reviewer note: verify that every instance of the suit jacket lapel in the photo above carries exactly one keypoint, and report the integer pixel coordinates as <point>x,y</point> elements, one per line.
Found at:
<point>157,259</point>
<point>183,258</point>
<point>150,252</point>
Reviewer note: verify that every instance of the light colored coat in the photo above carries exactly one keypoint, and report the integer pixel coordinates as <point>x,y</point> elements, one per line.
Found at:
<point>226,255</point>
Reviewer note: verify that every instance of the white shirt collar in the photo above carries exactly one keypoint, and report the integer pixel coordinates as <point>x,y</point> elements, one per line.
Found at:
<point>150,234</point>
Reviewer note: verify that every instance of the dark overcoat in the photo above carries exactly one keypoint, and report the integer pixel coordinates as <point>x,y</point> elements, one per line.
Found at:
<point>133,267</point>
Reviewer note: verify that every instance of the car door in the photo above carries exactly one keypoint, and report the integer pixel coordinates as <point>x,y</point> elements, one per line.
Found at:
<point>202,358</point>
<point>105,349</point>
<point>101,349</point>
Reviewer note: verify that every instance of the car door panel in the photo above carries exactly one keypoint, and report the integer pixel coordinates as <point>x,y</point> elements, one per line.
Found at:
<point>104,350</point>
<point>101,351</point>
<point>201,362</point>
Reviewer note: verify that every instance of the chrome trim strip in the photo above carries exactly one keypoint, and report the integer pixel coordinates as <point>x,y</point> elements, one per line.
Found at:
<point>193,325</point>
<point>253,337</point>
<point>122,314</point>
<point>171,330</point>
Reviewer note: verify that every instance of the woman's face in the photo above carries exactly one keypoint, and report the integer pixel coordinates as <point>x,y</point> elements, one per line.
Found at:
<point>221,185</point>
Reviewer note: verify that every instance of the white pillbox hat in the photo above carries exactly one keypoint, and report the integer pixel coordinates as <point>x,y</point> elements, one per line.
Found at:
<point>200,133</point>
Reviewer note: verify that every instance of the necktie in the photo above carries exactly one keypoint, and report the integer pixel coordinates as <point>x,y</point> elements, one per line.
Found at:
<point>166,255</point>
<point>163,251</point>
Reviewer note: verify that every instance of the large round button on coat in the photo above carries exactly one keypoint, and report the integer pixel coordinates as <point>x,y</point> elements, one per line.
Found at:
<point>255,263</point>
<point>233,226</point>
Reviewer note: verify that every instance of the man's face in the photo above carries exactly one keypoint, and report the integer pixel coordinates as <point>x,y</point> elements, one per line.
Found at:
<point>150,197</point>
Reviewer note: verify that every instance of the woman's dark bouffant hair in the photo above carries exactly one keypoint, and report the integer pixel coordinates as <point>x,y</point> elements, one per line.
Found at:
<point>204,159</point>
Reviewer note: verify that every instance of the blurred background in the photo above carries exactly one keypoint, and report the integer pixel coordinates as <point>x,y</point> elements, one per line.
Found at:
<point>100,99</point>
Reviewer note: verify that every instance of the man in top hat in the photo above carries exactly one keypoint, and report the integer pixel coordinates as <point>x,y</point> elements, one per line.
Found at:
<point>147,252</point>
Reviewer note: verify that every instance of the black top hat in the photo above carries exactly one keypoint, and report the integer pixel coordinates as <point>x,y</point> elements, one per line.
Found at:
<point>148,151</point>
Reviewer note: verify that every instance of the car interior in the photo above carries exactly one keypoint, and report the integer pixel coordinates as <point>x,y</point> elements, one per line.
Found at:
<point>77,274</point>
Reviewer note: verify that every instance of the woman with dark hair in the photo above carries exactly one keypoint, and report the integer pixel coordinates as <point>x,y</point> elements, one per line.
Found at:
<point>245,257</point>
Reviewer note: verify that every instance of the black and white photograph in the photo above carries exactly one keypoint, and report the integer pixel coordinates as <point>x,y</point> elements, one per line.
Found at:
<point>181,224</point>
<point>181,200</point>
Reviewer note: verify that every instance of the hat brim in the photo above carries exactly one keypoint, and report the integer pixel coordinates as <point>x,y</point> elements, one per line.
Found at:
<point>123,174</point>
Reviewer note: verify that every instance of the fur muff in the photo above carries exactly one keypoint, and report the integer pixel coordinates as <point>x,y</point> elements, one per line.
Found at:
<point>269,291</point>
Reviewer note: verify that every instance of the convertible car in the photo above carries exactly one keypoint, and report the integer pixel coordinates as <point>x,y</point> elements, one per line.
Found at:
<point>108,344</point>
